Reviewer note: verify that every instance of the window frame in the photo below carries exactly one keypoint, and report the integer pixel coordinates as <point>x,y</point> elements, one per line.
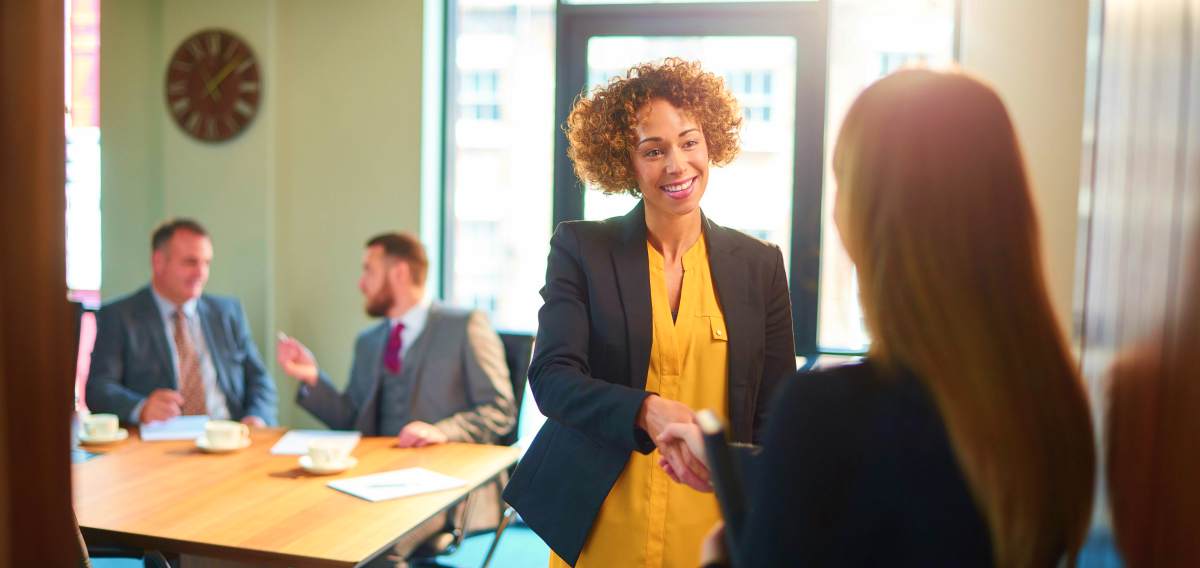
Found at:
<point>805,22</point>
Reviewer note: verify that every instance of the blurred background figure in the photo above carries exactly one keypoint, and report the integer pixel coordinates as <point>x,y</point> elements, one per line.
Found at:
<point>1137,312</point>
<point>1153,439</point>
<point>963,438</point>
<point>169,349</point>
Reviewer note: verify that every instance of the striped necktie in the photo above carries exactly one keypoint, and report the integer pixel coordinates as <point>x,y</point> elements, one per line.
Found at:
<point>191,384</point>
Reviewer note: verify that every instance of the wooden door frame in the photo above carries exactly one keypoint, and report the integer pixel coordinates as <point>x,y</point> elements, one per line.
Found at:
<point>36,359</point>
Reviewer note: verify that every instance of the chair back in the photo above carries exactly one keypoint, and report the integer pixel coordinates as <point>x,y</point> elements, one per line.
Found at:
<point>518,350</point>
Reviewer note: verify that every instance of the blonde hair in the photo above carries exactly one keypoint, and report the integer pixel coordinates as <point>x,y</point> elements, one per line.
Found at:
<point>937,215</point>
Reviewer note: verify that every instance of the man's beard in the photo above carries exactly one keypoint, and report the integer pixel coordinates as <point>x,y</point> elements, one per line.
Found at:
<point>379,304</point>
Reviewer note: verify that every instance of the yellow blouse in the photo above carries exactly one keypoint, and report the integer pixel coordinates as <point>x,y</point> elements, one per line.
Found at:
<point>647,520</point>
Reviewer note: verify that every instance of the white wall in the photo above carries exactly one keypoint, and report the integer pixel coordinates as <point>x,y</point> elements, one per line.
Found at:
<point>1034,53</point>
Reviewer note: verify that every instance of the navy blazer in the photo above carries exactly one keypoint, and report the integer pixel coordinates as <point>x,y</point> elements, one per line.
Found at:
<point>857,469</point>
<point>132,357</point>
<point>592,354</point>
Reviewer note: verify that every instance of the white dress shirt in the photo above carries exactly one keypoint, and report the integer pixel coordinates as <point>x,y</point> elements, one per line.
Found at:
<point>214,397</point>
<point>414,324</point>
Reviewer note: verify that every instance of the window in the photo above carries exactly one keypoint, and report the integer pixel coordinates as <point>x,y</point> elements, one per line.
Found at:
<point>479,95</point>
<point>764,168</point>
<point>869,39</point>
<point>507,183</point>
<point>499,137</point>
<point>890,61</point>
<point>81,69</point>
<point>753,91</point>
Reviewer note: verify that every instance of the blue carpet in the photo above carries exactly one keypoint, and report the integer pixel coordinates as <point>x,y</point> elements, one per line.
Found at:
<point>519,548</point>
<point>1100,551</point>
<point>115,563</point>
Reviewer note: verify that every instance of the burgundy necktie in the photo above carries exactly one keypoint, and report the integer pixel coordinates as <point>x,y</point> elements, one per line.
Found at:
<point>391,355</point>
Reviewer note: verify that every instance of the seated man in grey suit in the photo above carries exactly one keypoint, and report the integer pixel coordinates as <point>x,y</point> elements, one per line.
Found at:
<point>426,374</point>
<point>169,349</point>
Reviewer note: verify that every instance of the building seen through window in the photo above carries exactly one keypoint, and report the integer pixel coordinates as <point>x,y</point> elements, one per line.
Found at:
<point>867,40</point>
<point>753,91</point>
<point>501,135</point>
<point>82,104</point>
<point>479,95</point>
<point>499,144</point>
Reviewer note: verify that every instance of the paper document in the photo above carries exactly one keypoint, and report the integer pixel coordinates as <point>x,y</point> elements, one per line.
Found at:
<point>178,428</point>
<point>295,442</point>
<point>394,484</point>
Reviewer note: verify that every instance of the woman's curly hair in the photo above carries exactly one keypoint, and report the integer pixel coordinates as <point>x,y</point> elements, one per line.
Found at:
<point>600,128</point>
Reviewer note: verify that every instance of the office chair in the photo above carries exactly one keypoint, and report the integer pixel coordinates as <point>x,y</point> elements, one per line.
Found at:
<point>150,558</point>
<point>518,350</point>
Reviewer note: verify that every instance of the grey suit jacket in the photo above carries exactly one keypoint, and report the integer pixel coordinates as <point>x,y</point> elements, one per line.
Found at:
<point>460,384</point>
<point>459,379</point>
<point>132,357</point>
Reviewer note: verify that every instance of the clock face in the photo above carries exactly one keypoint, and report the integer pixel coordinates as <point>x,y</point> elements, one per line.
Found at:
<point>213,85</point>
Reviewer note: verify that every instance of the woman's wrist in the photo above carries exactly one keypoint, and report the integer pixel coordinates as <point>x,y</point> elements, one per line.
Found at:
<point>643,415</point>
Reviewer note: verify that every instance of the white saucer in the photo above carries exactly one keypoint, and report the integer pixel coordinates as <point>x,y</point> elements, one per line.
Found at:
<point>121,435</point>
<point>202,443</point>
<point>307,464</point>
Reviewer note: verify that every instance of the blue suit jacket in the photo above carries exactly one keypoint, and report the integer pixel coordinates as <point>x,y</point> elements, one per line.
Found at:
<point>132,357</point>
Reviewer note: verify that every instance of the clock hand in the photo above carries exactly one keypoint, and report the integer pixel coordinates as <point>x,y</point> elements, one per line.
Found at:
<point>214,95</point>
<point>215,82</point>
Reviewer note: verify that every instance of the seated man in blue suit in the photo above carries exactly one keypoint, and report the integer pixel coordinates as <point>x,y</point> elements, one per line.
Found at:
<point>426,373</point>
<point>169,349</point>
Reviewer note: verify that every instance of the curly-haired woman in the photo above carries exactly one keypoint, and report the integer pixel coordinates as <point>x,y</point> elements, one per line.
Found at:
<point>647,317</point>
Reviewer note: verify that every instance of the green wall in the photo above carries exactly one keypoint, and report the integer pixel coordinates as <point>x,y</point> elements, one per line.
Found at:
<point>131,140</point>
<point>332,158</point>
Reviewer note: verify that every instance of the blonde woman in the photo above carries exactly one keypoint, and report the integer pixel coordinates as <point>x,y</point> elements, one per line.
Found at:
<point>646,318</point>
<point>963,439</point>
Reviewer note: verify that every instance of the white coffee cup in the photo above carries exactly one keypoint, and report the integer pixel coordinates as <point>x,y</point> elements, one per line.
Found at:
<point>100,426</point>
<point>328,453</point>
<point>226,433</point>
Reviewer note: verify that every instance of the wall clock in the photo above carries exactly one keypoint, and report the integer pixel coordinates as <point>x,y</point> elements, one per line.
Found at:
<point>213,85</point>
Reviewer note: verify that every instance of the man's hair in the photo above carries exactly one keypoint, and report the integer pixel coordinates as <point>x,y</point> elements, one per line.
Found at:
<point>165,230</point>
<point>406,247</point>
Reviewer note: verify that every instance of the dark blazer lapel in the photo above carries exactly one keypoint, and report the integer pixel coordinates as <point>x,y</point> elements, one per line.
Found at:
<point>367,422</point>
<point>378,342</point>
<point>631,264</point>
<point>728,270</point>
<point>416,352</point>
<point>214,341</point>
<point>152,320</point>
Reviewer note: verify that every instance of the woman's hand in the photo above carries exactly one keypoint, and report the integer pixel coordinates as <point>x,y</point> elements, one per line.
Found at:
<point>689,434</point>
<point>684,443</point>
<point>713,551</point>
<point>658,414</point>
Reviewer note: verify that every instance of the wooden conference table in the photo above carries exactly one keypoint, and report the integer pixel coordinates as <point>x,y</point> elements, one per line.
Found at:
<point>260,509</point>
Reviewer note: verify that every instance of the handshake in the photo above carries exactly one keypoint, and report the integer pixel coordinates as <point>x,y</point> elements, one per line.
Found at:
<point>672,426</point>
